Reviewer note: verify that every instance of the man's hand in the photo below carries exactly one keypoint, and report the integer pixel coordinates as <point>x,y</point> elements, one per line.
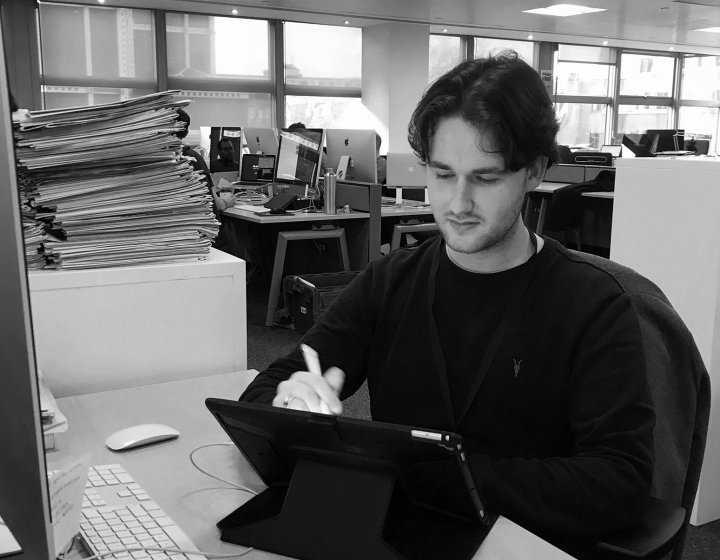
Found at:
<point>229,199</point>
<point>305,391</point>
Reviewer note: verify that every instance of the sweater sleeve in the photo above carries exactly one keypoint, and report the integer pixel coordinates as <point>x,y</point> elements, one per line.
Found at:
<point>605,481</point>
<point>341,336</point>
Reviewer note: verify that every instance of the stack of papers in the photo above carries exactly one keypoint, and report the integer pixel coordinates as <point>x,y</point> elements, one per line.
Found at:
<point>110,185</point>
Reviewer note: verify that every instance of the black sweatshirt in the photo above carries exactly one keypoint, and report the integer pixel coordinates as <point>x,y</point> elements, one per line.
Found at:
<point>560,429</point>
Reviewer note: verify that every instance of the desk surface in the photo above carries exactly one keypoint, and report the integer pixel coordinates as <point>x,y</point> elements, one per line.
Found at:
<point>195,501</point>
<point>296,216</point>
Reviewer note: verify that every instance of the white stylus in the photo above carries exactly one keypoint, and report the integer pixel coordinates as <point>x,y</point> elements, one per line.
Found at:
<point>312,361</point>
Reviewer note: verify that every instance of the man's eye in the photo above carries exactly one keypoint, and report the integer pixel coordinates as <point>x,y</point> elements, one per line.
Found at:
<point>486,180</point>
<point>443,175</point>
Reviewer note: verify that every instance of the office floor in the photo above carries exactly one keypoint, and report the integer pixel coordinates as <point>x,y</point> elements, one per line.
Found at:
<point>265,344</point>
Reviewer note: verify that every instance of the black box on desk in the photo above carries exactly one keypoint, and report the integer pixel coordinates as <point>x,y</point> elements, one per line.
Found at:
<point>310,294</point>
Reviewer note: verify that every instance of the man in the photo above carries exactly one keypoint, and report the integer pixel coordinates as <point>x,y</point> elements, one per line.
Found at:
<point>226,157</point>
<point>530,351</point>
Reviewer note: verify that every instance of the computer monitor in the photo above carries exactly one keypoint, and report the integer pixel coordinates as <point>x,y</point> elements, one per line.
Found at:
<point>24,501</point>
<point>261,140</point>
<point>667,140</point>
<point>359,146</point>
<point>298,160</point>
<point>233,134</point>
<point>406,173</point>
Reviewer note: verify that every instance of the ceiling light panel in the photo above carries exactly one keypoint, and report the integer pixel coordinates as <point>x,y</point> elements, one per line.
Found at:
<point>564,10</point>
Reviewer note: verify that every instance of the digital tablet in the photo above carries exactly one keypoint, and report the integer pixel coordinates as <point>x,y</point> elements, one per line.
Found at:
<point>389,491</point>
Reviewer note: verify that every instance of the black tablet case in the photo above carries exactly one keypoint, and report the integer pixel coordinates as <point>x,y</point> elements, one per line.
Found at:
<point>351,489</point>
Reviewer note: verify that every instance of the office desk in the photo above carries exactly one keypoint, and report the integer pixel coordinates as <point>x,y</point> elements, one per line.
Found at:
<point>265,230</point>
<point>195,501</point>
<point>545,191</point>
<point>405,210</point>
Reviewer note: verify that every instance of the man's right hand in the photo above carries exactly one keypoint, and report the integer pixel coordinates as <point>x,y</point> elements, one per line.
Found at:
<point>305,391</point>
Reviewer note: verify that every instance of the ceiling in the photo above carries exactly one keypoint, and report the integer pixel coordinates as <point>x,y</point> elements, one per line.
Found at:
<point>656,24</point>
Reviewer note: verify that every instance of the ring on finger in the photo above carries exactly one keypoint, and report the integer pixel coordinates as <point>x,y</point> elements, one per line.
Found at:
<point>287,400</point>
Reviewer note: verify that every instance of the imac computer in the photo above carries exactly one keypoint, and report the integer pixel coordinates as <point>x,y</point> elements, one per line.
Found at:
<point>24,496</point>
<point>261,140</point>
<point>406,174</point>
<point>360,148</point>
<point>298,160</point>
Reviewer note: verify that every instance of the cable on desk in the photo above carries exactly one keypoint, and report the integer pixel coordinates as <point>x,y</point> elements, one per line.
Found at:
<point>198,467</point>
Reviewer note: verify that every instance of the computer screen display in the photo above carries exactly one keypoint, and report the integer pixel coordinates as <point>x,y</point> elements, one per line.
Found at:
<point>298,158</point>
<point>360,147</point>
<point>24,495</point>
<point>261,140</point>
<point>225,134</point>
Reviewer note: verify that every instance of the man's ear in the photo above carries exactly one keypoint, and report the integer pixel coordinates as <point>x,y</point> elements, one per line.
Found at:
<point>535,172</point>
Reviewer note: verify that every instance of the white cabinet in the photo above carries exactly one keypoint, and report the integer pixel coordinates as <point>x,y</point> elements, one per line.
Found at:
<point>111,328</point>
<point>666,226</point>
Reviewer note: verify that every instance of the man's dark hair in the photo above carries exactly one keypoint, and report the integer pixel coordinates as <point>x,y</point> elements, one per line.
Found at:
<point>501,96</point>
<point>184,117</point>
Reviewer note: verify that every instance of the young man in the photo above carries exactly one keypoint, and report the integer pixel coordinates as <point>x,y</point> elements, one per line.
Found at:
<point>532,352</point>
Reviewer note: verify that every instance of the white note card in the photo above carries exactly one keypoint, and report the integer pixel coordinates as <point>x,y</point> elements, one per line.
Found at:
<point>66,486</point>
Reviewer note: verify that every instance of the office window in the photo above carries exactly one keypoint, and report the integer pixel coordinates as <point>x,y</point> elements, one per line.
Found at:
<point>326,112</point>
<point>701,123</point>
<point>639,118</point>
<point>228,108</point>
<point>217,48</point>
<point>700,78</point>
<point>445,51</point>
<point>488,45</point>
<point>322,56</point>
<point>582,124</point>
<point>646,75</point>
<point>583,91</point>
<point>58,97</point>
<point>94,54</point>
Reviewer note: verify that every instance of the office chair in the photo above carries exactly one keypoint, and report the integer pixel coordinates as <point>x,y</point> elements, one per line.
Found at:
<point>403,228</point>
<point>680,388</point>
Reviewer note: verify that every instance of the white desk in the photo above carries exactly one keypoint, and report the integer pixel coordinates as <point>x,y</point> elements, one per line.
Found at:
<point>193,500</point>
<point>120,327</point>
<point>293,217</point>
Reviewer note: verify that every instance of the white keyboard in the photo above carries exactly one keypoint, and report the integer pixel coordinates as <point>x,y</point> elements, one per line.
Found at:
<point>118,514</point>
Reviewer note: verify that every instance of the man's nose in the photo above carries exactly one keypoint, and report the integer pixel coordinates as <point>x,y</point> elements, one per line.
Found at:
<point>462,197</point>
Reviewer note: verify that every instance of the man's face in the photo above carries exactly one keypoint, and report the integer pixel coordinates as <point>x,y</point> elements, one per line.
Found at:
<point>227,151</point>
<point>475,200</point>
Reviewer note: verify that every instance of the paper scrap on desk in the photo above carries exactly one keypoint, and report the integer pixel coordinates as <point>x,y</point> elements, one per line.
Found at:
<point>8,544</point>
<point>66,487</point>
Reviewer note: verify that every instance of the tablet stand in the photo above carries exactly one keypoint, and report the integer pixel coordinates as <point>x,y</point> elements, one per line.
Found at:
<point>331,511</point>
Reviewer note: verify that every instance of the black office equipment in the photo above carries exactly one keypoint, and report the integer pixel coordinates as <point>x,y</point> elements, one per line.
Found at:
<point>668,141</point>
<point>279,203</point>
<point>639,145</point>
<point>257,168</point>
<point>592,158</point>
<point>352,489</point>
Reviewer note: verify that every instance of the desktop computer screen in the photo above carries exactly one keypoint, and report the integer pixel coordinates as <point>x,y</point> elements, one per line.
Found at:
<point>233,134</point>
<point>24,495</point>
<point>261,140</point>
<point>360,147</point>
<point>298,160</point>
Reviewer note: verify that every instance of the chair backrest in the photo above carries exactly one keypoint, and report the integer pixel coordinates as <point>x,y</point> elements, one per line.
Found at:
<point>680,387</point>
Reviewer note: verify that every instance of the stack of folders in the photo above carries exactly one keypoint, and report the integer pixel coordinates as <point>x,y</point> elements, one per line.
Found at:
<point>110,187</point>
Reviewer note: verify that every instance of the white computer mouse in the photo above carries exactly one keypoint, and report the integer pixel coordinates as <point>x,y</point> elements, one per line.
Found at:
<point>142,434</point>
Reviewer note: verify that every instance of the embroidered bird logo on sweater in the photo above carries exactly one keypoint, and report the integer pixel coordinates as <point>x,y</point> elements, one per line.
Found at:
<point>516,366</point>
